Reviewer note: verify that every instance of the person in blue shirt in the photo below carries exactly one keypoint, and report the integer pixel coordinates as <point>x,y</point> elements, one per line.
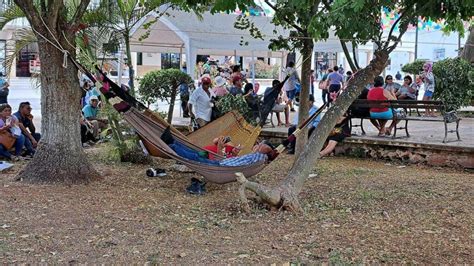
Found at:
<point>312,126</point>
<point>91,111</point>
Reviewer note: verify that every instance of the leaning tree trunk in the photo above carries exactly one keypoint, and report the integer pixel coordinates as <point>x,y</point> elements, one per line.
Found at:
<point>174,91</point>
<point>131,71</point>
<point>286,194</point>
<point>307,53</point>
<point>60,156</point>
<point>468,50</point>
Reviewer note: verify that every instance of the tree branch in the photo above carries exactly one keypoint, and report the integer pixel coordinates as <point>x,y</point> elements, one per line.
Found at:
<point>54,11</point>
<point>298,28</point>
<point>80,10</point>
<point>354,55</point>
<point>392,29</point>
<point>30,11</point>
<point>348,56</point>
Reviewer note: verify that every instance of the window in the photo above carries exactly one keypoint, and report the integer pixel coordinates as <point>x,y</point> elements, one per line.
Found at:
<point>139,59</point>
<point>439,54</point>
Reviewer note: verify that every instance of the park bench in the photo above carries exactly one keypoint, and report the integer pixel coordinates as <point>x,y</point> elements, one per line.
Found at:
<point>400,108</point>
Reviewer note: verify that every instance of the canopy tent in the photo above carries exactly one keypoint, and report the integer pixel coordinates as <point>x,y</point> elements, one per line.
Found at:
<point>212,34</point>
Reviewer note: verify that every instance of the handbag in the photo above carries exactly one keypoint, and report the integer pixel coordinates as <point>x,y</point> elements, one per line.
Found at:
<point>323,85</point>
<point>7,140</point>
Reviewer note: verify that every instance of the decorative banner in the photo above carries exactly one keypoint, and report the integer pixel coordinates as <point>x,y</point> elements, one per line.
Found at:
<point>389,17</point>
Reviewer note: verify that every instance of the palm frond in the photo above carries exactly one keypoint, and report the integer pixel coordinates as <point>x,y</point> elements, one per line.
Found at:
<point>11,13</point>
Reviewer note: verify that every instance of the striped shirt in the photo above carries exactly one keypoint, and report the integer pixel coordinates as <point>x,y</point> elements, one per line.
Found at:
<point>247,159</point>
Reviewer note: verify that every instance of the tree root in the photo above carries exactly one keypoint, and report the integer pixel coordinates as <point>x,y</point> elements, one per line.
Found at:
<point>280,198</point>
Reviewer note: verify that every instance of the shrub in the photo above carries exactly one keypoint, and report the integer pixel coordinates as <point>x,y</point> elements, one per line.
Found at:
<point>415,67</point>
<point>163,85</point>
<point>230,102</point>
<point>452,83</point>
<point>265,71</point>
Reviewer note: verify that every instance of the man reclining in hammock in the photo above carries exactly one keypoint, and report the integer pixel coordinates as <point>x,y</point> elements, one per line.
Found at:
<point>262,151</point>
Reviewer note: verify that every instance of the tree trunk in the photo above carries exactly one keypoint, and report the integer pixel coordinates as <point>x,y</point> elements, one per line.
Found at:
<point>131,71</point>
<point>286,194</point>
<point>174,91</point>
<point>307,53</point>
<point>468,50</point>
<point>60,156</point>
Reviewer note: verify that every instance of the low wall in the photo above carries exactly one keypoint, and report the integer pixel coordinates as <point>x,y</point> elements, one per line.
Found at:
<point>426,154</point>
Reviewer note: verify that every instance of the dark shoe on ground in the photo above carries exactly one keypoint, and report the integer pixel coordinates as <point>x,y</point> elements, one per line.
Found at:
<point>291,151</point>
<point>292,110</point>
<point>196,188</point>
<point>166,137</point>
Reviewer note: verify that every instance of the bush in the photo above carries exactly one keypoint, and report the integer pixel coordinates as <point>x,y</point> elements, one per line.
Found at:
<point>452,83</point>
<point>163,85</point>
<point>265,71</point>
<point>230,102</point>
<point>160,84</point>
<point>415,67</point>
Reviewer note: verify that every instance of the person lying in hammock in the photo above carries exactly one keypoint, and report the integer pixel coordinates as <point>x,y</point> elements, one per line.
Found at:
<point>261,152</point>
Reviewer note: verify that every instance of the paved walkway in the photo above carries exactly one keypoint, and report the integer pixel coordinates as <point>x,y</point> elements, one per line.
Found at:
<point>421,132</point>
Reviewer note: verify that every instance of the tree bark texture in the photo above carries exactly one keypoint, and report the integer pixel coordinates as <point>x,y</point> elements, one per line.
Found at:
<point>286,194</point>
<point>468,50</point>
<point>307,53</point>
<point>60,156</point>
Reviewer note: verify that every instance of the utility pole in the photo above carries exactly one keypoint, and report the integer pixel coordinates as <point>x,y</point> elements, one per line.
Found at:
<point>416,39</point>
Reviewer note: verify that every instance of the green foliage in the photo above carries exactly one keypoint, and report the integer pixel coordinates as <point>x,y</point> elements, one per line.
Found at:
<point>230,102</point>
<point>452,84</point>
<point>160,84</point>
<point>415,67</point>
<point>265,71</point>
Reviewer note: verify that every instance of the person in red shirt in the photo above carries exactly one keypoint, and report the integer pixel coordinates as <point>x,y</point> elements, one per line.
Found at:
<point>377,93</point>
<point>222,146</point>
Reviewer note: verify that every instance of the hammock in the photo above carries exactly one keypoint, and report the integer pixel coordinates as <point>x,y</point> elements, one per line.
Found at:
<point>152,141</point>
<point>150,133</point>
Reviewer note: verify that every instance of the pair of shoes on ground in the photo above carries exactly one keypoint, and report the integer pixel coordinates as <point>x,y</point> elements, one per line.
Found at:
<point>197,187</point>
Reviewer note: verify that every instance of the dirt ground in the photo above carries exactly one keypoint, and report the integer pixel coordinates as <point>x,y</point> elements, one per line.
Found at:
<point>356,211</point>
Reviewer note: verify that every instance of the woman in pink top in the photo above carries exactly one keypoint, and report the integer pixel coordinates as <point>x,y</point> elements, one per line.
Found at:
<point>378,93</point>
<point>220,89</point>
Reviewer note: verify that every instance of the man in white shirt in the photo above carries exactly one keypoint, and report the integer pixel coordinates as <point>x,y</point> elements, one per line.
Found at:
<point>200,104</point>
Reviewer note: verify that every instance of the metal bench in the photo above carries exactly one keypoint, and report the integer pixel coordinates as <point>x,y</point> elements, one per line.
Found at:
<point>446,117</point>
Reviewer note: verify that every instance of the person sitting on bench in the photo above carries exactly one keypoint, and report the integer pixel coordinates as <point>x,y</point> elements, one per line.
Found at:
<point>377,93</point>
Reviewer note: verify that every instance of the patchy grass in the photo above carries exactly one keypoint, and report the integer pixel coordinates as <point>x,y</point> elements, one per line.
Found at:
<point>356,211</point>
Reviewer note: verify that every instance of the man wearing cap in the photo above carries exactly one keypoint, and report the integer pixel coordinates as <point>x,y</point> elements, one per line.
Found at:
<point>90,111</point>
<point>236,88</point>
<point>200,103</point>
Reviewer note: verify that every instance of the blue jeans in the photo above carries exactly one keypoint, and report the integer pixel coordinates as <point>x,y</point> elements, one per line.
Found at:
<point>28,145</point>
<point>190,154</point>
<point>19,143</point>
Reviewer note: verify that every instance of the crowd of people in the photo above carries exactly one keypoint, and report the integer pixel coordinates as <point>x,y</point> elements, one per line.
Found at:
<point>17,132</point>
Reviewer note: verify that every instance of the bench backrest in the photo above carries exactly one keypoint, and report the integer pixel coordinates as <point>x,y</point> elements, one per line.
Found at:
<point>361,103</point>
